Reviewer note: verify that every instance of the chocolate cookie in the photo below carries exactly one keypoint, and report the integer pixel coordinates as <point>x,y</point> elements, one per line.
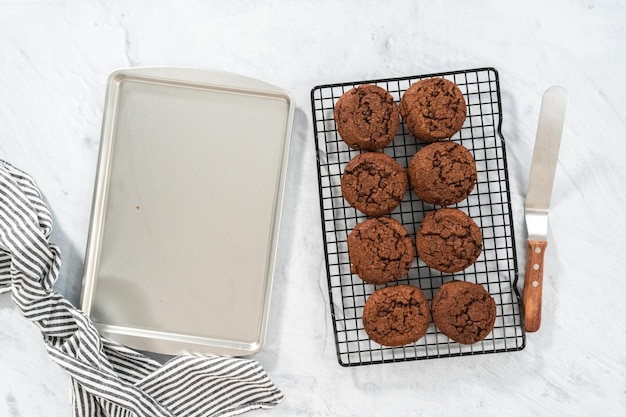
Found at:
<point>433,109</point>
<point>374,183</point>
<point>367,118</point>
<point>380,250</point>
<point>448,240</point>
<point>395,316</point>
<point>442,173</point>
<point>464,311</point>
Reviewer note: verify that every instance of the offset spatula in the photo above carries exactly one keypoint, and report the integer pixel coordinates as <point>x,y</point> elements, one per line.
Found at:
<point>542,171</point>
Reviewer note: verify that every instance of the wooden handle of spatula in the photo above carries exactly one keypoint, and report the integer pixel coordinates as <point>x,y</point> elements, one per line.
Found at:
<point>533,285</point>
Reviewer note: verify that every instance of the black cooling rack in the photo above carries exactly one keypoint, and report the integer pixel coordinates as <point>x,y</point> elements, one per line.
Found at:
<point>489,205</point>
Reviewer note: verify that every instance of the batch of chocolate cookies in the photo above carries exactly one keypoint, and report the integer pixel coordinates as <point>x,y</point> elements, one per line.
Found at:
<point>380,248</point>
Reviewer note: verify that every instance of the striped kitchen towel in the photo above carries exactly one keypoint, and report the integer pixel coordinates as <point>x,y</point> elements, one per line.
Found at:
<point>108,379</point>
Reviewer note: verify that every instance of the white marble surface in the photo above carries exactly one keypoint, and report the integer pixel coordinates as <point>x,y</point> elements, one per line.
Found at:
<point>55,57</point>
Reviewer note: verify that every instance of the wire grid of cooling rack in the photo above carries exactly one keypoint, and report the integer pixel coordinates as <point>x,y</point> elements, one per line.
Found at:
<point>489,205</point>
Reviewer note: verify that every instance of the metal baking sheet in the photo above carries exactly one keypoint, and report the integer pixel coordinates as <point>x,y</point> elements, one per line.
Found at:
<point>186,210</point>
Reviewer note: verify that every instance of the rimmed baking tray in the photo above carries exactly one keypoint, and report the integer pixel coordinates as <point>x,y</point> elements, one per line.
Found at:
<point>186,210</point>
<point>489,205</point>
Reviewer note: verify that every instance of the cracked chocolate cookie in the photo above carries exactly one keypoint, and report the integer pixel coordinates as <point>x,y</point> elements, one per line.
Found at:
<point>448,240</point>
<point>396,316</point>
<point>374,183</point>
<point>464,311</point>
<point>380,250</point>
<point>442,173</point>
<point>367,117</point>
<point>433,109</point>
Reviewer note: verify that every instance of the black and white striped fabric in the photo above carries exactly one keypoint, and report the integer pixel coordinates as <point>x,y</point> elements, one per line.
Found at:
<point>108,379</point>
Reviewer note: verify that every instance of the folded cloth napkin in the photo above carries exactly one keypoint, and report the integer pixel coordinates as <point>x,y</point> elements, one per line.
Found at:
<point>108,379</point>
